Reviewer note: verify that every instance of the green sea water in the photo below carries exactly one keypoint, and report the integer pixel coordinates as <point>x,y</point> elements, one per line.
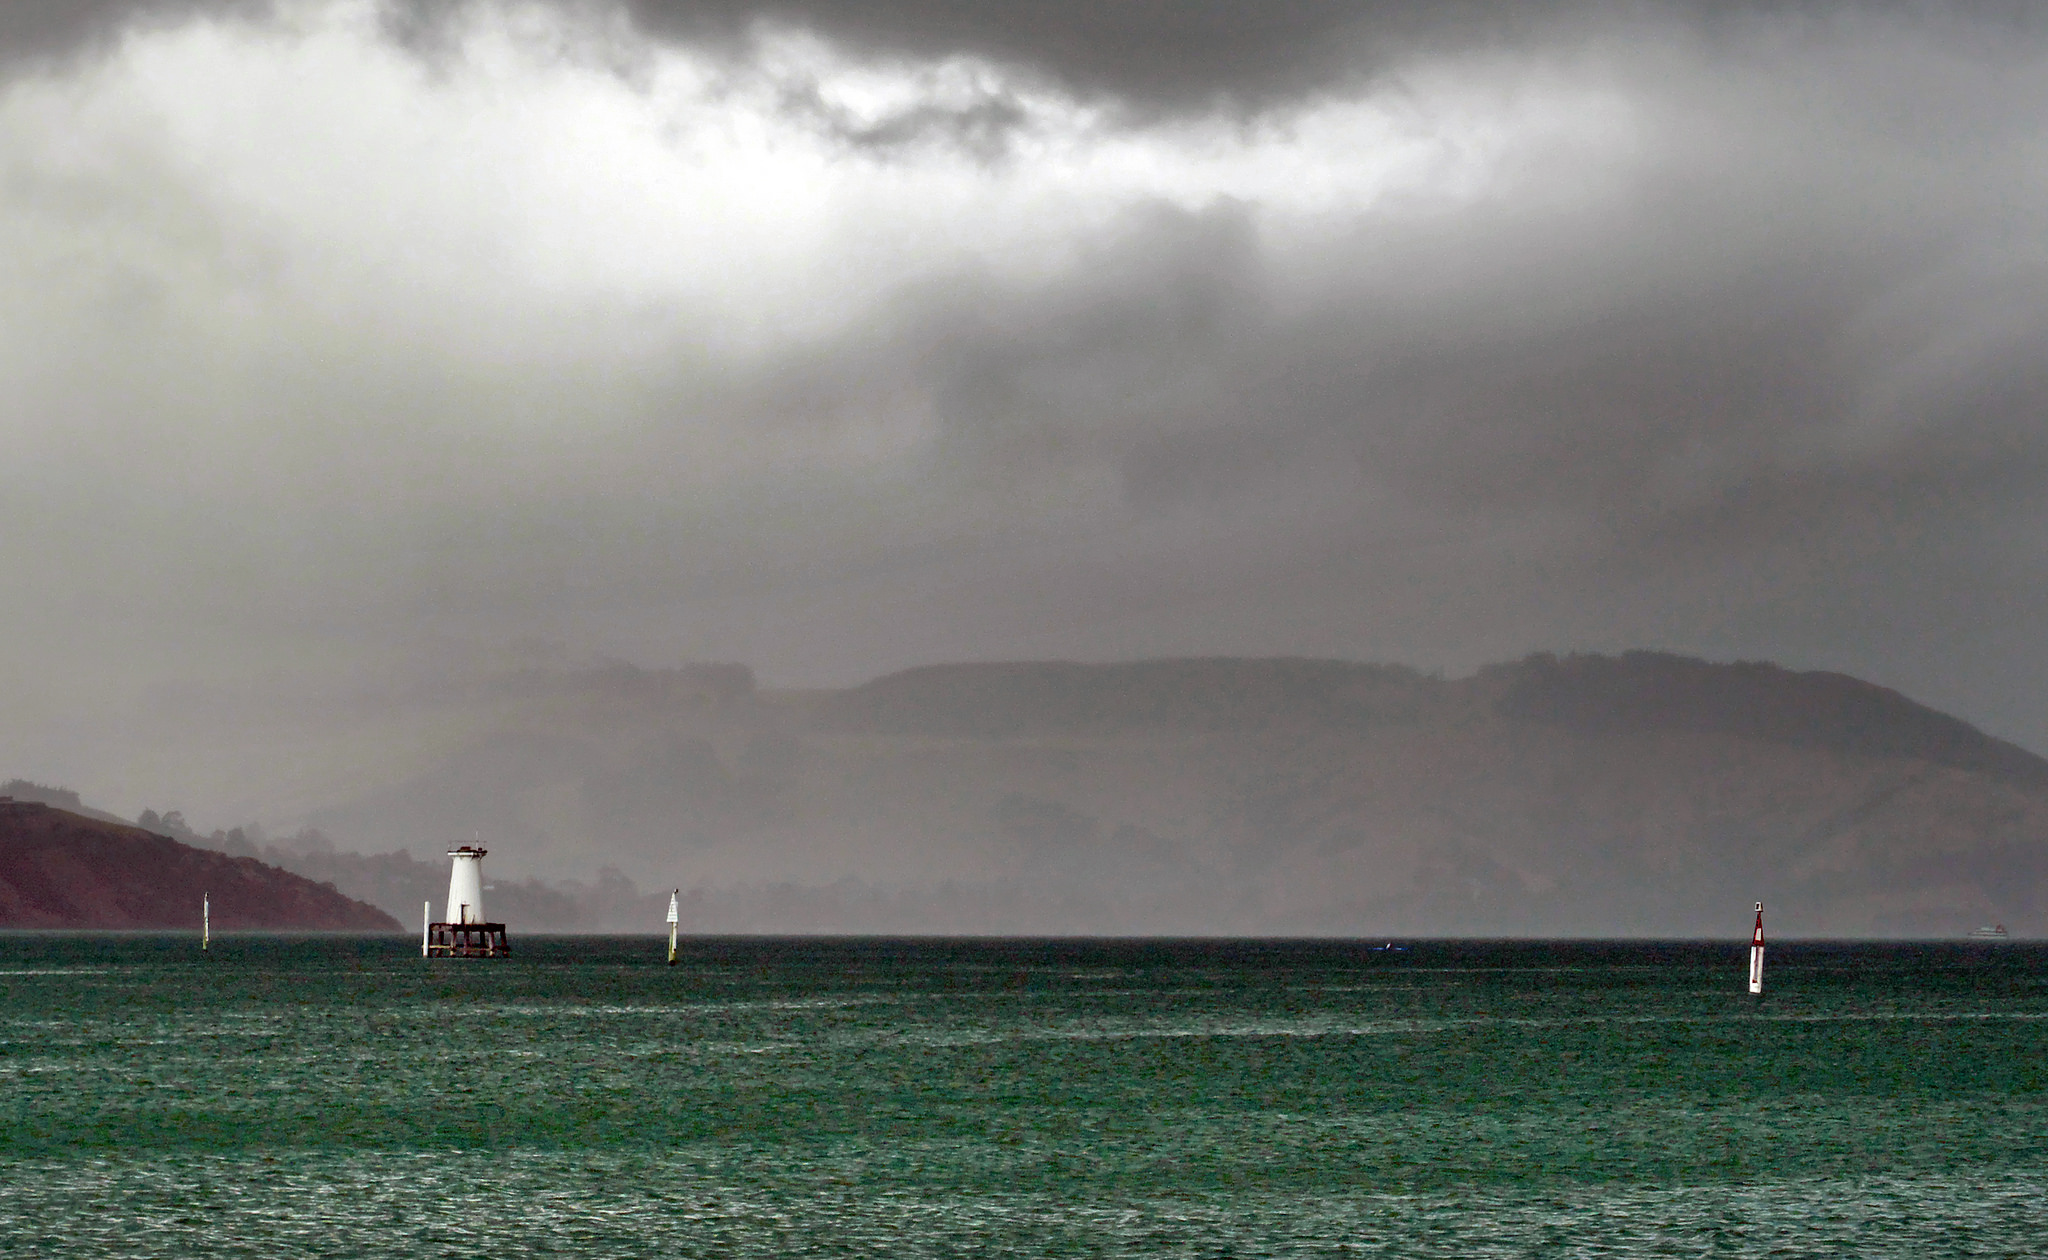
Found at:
<point>343,1097</point>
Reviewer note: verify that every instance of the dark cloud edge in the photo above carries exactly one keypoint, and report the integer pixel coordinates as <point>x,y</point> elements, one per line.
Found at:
<point>36,33</point>
<point>1194,57</point>
<point>1225,56</point>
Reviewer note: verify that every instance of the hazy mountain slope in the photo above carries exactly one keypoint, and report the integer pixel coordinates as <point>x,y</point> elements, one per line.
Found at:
<point>64,870</point>
<point>1060,697</point>
<point>1641,691</point>
<point>1645,793</point>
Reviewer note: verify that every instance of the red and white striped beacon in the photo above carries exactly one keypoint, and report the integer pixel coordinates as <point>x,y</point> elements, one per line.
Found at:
<point>1756,953</point>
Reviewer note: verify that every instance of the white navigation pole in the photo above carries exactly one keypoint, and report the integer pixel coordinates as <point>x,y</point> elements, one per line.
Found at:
<point>205,920</point>
<point>426,925</point>
<point>674,917</point>
<point>1756,953</point>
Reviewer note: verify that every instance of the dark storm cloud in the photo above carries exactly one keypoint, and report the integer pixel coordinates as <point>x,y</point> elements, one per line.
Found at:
<point>1235,54</point>
<point>1152,56</point>
<point>1244,53</point>
<point>1164,55</point>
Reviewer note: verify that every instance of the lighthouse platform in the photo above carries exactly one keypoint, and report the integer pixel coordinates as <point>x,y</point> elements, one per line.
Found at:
<point>467,940</point>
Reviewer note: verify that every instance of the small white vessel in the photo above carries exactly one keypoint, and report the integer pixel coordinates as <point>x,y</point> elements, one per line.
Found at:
<point>1756,952</point>
<point>1996,932</point>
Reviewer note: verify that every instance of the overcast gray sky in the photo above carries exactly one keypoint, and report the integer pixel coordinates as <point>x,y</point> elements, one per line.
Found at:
<point>836,337</point>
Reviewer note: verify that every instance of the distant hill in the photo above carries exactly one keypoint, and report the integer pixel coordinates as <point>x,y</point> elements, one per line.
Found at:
<point>60,869</point>
<point>1064,698</point>
<point>1636,691</point>
<point>1639,794</point>
<point>1657,691</point>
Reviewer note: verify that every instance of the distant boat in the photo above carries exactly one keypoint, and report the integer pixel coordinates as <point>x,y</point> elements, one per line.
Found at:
<point>1996,932</point>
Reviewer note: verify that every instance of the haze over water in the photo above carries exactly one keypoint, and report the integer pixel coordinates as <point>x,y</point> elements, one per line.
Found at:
<point>341,1097</point>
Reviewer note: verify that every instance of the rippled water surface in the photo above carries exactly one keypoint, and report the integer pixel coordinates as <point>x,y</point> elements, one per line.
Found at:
<point>344,1097</point>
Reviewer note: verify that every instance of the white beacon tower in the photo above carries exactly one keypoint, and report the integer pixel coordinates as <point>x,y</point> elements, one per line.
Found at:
<point>464,932</point>
<point>466,885</point>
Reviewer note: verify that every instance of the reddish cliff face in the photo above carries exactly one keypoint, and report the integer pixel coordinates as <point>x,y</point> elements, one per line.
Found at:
<point>61,870</point>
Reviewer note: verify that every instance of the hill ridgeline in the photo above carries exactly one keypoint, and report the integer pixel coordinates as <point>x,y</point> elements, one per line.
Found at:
<point>59,869</point>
